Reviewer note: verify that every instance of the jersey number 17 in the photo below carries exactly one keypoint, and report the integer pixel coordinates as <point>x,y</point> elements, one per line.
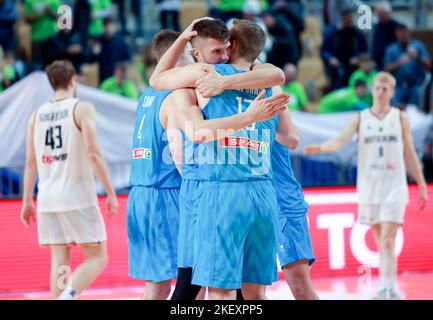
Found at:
<point>241,109</point>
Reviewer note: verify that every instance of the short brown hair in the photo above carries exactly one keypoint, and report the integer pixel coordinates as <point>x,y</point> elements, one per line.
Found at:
<point>162,41</point>
<point>249,37</point>
<point>60,74</point>
<point>214,29</point>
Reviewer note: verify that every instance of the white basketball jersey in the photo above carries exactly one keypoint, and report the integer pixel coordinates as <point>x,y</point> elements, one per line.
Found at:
<point>66,179</point>
<point>381,167</point>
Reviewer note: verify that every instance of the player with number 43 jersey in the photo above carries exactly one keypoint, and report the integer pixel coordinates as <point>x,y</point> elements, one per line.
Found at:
<point>63,151</point>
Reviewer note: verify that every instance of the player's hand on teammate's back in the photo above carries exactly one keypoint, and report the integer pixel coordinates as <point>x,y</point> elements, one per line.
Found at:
<point>188,33</point>
<point>312,149</point>
<point>28,212</point>
<point>422,198</point>
<point>112,205</point>
<point>212,84</point>
<point>262,109</point>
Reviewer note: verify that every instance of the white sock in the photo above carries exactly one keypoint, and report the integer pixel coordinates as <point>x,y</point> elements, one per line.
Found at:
<point>69,294</point>
<point>388,283</point>
<point>392,284</point>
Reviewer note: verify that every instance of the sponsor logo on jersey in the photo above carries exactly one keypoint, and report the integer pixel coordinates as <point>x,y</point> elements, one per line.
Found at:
<point>244,143</point>
<point>147,101</point>
<point>142,153</point>
<point>50,159</point>
<point>383,167</point>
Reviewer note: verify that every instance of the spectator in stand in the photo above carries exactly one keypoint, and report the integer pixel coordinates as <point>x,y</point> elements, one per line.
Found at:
<point>82,16</point>
<point>408,60</point>
<point>8,17</point>
<point>383,32</point>
<point>145,67</point>
<point>293,11</point>
<point>284,48</point>
<point>42,16</point>
<point>229,9</point>
<point>8,72</point>
<point>366,73</point>
<point>346,99</point>
<point>65,45</point>
<point>109,50</point>
<point>119,85</point>
<point>341,48</point>
<point>100,9</point>
<point>332,9</point>
<point>169,13</point>
<point>296,91</point>
<point>252,11</point>
<point>136,11</point>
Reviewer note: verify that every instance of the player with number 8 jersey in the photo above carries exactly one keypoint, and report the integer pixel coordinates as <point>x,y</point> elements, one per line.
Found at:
<point>386,151</point>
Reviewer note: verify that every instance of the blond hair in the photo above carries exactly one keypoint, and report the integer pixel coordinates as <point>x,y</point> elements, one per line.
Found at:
<point>386,77</point>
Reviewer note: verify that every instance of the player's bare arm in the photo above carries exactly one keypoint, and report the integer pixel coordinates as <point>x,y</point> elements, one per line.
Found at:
<point>210,83</point>
<point>413,164</point>
<point>263,75</point>
<point>198,130</point>
<point>167,77</point>
<point>170,58</point>
<point>335,144</point>
<point>85,116</point>
<point>28,211</point>
<point>287,134</point>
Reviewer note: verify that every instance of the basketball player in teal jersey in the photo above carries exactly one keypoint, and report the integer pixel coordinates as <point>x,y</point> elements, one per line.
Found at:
<point>152,212</point>
<point>247,173</point>
<point>214,41</point>
<point>295,251</point>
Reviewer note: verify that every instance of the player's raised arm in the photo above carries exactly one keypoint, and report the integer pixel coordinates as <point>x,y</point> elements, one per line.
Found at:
<point>203,76</point>
<point>164,69</point>
<point>30,173</point>
<point>335,144</point>
<point>262,76</point>
<point>85,116</point>
<point>210,83</point>
<point>413,164</point>
<point>179,77</point>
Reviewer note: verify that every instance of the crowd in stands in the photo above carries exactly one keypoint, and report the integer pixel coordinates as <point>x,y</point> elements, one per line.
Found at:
<point>100,35</point>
